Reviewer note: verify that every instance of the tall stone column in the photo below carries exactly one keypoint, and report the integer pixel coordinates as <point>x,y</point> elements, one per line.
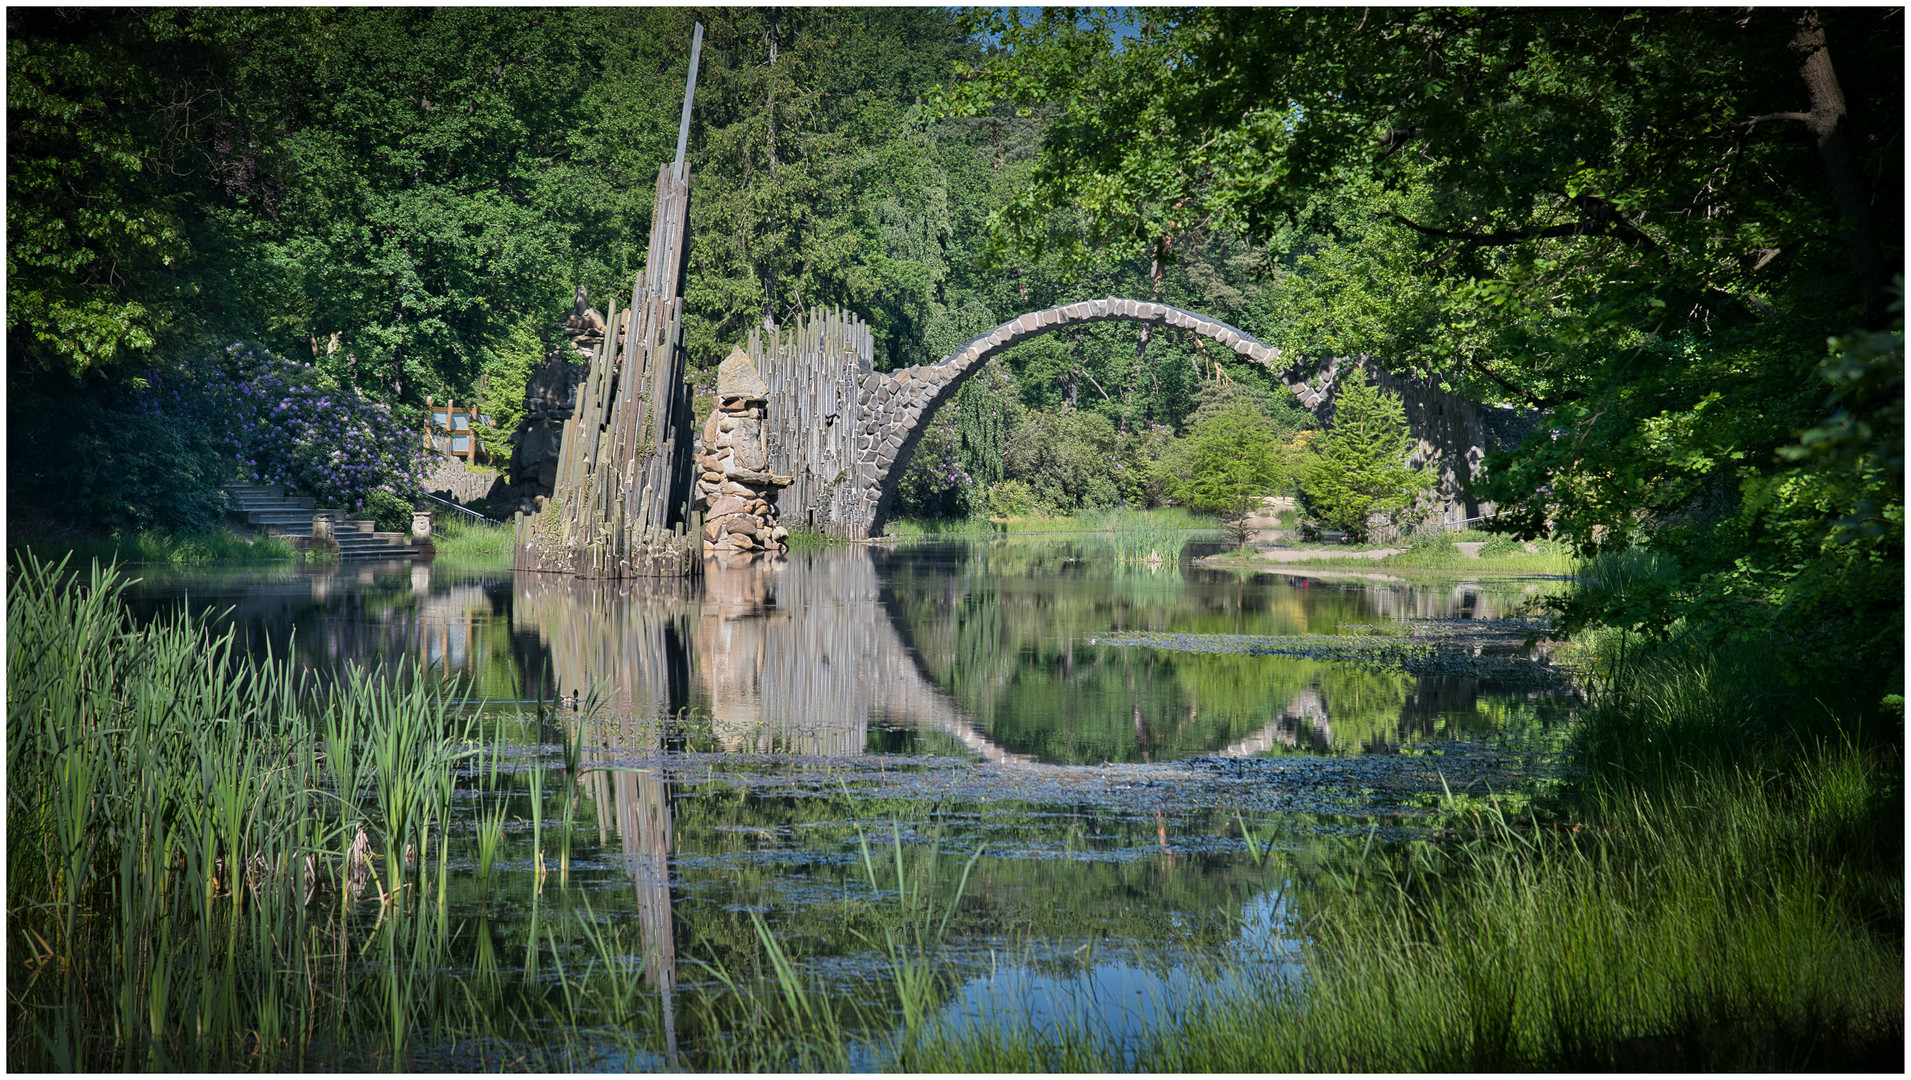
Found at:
<point>734,486</point>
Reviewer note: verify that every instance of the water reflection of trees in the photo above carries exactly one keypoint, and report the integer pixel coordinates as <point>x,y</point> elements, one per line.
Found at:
<point>1008,629</point>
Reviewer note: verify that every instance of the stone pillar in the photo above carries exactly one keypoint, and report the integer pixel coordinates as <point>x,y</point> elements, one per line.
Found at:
<point>324,540</point>
<point>734,486</point>
<point>421,532</point>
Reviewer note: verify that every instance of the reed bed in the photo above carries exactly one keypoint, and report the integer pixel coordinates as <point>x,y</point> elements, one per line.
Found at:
<point>189,830</point>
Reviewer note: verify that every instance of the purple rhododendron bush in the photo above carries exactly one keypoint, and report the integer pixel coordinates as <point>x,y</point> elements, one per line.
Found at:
<point>281,423</point>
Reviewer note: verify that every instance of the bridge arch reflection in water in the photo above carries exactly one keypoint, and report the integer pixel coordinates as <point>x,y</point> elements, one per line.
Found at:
<point>803,656</point>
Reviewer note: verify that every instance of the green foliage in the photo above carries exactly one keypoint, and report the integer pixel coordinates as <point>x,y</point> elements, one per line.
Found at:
<point>1232,458</point>
<point>1360,467</point>
<point>1066,459</point>
<point>118,125</point>
<point>96,458</point>
<point>816,184</point>
<point>188,549</point>
<point>1600,213</point>
<point>501,389</point>
<point>1012,498</point>
<point>389,512</point>
<point>987,411</point>
<point>935,484</point>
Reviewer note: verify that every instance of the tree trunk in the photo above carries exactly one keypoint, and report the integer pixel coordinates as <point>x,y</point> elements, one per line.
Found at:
<point>1075,373</point>
<point>1827,122</point>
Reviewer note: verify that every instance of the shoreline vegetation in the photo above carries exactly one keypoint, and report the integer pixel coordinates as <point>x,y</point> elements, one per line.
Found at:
<point>148,546</point>
<point>1720,889</point>
<point>1488,554</point>
<point>460,540</point>
<point>452,539</point>
<point>1112,520</point>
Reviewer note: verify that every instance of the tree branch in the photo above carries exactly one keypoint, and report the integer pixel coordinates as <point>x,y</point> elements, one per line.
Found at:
<point>1598,218</point>
<point>1777,117</point>
<point>1501,239</point>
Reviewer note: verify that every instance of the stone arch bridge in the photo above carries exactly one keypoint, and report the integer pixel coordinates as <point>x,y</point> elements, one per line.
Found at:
<point>844,432</point>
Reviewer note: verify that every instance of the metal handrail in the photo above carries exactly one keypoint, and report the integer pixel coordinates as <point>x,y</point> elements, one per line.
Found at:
<point>1463,523</point>
<point>463,510</point>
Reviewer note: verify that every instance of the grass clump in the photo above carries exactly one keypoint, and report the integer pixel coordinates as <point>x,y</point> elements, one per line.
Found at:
<point>1138,533</point>
<point>458,538</point>
<point>912,527</point>
<point>807,540</point>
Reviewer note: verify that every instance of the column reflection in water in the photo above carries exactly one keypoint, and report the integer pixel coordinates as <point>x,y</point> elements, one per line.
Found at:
<point>780,653</point>
<point>790,656</point>
<point>629,641</point>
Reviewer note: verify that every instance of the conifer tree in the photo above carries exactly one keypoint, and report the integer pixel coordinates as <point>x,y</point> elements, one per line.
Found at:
<point>1360,468</point>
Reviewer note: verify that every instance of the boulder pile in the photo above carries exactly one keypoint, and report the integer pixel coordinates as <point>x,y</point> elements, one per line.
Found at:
<point>734,486</point>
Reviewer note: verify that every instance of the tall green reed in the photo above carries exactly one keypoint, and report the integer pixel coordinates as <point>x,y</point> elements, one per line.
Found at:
<point>176,840</point>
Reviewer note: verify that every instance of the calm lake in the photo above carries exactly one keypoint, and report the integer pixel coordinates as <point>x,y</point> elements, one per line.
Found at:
<point>933,726</point>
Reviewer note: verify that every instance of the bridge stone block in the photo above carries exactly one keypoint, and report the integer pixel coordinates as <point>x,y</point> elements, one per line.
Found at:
<point>1049,317</point>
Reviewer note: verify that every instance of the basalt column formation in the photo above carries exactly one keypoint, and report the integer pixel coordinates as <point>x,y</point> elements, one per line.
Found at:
<point>621,504</point>
<point>817,431</point>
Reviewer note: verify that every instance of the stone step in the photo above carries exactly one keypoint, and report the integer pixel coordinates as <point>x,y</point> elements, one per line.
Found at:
<point>293,516</point>
<point>384,546</point>
<point>269,509</point>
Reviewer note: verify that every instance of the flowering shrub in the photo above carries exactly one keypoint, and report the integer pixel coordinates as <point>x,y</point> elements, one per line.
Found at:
<point>279,424</point>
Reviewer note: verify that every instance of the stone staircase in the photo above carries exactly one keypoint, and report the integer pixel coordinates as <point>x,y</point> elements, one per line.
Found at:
<point>271,511</point>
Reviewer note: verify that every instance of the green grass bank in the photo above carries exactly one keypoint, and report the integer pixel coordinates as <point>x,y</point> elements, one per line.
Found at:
<point>147,547</point>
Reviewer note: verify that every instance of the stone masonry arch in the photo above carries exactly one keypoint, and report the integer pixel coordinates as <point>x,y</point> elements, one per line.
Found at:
<point>853,469</point>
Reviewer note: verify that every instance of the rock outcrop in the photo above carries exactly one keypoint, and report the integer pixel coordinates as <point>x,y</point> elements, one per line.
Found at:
<point>734,488</point>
